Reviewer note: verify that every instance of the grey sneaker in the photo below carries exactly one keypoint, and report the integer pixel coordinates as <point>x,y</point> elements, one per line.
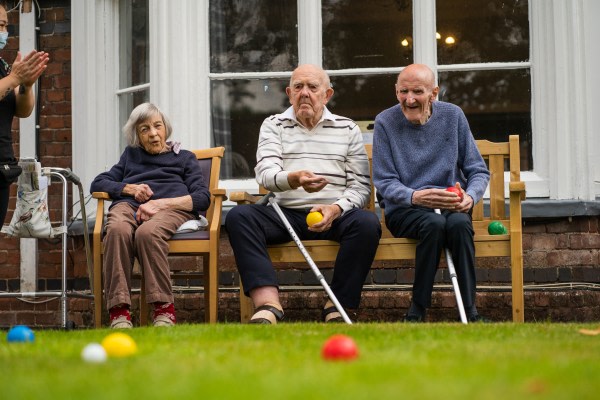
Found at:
<point>163,320</point>
<point>121,323</point>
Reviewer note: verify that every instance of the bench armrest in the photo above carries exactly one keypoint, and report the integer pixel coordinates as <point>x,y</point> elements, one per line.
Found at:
<point>219,192</point>
<point>243,198</point>
<point>517,187</point>
<point>101,195</point>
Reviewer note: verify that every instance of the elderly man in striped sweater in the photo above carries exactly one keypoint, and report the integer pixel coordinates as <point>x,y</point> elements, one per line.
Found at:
<point>314,161</point>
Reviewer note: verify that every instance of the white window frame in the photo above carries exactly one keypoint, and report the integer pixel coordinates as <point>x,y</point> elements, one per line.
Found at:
<point>563,62</point>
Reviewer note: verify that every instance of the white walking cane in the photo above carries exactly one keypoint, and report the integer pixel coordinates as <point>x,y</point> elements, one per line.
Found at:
<point>271,199</point>
<point>452,271</point>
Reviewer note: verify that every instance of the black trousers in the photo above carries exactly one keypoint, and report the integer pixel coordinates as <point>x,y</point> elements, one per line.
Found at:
<point>4,197</point>
<point>252,227</point>
<point>435,232</point>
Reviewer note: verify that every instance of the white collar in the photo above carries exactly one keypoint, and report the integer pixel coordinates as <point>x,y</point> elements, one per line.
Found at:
<point>327,115</point>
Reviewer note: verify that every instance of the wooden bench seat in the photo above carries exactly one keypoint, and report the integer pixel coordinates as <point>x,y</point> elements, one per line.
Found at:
<point>497,156</point>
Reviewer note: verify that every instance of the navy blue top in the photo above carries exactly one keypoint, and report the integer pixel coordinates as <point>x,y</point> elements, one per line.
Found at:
<point>8,107</point>
<point>169,175</point>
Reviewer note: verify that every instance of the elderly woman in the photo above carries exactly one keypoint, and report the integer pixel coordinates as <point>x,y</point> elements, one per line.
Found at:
<point>155,188</point>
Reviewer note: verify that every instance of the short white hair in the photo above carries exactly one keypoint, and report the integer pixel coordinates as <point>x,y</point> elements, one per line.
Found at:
<point>140,114</point>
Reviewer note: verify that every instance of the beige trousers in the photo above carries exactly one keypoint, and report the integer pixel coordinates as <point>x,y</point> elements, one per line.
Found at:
<point>125,240</point>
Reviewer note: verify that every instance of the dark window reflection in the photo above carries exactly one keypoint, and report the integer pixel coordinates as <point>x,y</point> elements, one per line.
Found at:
<point>367,34</point>
<point>362,97</point>
<point>473,31</point>
<point>496,103</point>
<point>238,109</point>
<point>127,102</point>
<point>135,65</point>
<point>253,35</point>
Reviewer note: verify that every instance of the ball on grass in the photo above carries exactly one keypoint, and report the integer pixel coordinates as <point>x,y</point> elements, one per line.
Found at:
<point>20,334</point>
<point>119,344</point>
<point>94,353</point>
<point>339,348</point>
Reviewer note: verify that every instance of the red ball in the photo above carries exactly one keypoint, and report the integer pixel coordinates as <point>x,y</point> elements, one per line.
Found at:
<point>456,190</point>
<point>339,347</point>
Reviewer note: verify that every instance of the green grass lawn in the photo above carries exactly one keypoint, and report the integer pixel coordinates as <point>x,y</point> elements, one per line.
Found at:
<point>397,361</point>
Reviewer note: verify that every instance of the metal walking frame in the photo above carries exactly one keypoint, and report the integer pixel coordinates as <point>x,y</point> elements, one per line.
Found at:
<point>64,175</point>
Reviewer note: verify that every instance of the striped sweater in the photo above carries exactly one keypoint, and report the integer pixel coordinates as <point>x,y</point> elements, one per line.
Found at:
<point>333,149</point>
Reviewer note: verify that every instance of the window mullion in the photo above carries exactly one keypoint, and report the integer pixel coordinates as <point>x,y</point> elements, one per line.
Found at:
<point>310,28</point>
<point>425,45</point>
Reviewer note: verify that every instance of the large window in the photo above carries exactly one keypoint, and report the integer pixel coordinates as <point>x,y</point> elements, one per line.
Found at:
<point>496,97</point>
<point>248,36</point>
<point>482,63</point>
<point>219,67</point>
<point>366,38</point>
<point>366,34</point>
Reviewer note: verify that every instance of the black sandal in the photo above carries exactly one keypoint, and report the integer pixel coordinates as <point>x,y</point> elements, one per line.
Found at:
<point>274,310</point>
<point>331,310</point>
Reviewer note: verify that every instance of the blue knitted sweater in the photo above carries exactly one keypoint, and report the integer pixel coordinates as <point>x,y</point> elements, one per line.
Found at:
<point>408,157</point>
<point>169,175</point>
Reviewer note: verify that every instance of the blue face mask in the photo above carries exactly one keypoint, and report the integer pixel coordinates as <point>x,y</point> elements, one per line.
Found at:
<point>3,39</point>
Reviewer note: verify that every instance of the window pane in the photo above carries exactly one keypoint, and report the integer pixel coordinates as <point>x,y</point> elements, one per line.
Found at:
<point>367,34</point>
<point>482,30</point>
<point>496,103</point>
<point>238,109</point>
<point>127,102</point>
<point>133,46</point>
<point>253,35</point>
<point>362,97</point>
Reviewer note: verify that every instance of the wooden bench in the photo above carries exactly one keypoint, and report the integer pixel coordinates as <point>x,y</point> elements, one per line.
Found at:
<point>390,248</point>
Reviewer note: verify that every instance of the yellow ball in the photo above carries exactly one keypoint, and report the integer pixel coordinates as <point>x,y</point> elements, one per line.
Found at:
<point>314,217</point>
<point>119,344</point>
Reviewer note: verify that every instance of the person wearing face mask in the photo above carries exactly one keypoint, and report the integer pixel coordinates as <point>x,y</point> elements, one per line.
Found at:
<point>16,100</point>
<point>314,161</point>
<point>155,187</point>
<point>421,147</point>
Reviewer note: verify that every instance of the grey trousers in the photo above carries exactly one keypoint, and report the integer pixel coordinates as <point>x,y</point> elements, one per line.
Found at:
<point>126,240</point>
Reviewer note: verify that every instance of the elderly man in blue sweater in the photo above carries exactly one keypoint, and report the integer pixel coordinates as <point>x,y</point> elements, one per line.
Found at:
<point>421,147</point>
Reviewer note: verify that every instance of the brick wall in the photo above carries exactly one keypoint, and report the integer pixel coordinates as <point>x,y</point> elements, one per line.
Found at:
<point>558,251</point>
<point>387,291</point>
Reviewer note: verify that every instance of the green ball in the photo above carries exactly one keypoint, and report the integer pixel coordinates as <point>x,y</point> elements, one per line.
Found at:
<point>496,228</point>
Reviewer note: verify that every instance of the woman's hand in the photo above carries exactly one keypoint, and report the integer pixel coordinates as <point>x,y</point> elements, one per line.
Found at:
<point>141,193</point>
<point>147,210</point>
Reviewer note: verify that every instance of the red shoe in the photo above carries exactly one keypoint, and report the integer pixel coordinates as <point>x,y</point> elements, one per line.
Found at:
<point>164,314</point>
<point>120,317</point>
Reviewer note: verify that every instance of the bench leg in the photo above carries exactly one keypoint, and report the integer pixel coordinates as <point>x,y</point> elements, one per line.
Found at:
<point>518,298</point>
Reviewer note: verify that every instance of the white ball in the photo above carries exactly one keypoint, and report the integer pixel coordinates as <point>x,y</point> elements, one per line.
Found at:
<point>94,353</point>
